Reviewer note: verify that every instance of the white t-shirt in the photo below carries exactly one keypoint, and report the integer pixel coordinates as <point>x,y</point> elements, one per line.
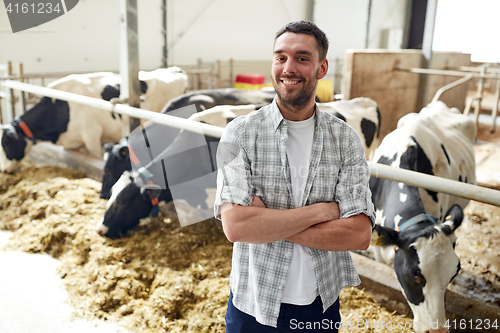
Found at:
<point>300,287</point>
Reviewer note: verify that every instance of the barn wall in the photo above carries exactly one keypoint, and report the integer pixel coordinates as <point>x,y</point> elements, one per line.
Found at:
<point>87,38</point>
<point>371,73</point>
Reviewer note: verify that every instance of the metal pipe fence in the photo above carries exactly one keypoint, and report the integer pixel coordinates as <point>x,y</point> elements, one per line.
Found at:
<point>429,182</point>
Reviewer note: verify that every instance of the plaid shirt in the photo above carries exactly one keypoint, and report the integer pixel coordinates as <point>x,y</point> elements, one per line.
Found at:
<point>252,161</point>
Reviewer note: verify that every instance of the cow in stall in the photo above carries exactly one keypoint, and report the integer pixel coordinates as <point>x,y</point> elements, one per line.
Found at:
<point>117,159</point>
<point>414,228</point>
<point>189,156</point>
<point>184,163</point>
<point>76,126</point>
<point>363,115</point>
<point>158,87</point>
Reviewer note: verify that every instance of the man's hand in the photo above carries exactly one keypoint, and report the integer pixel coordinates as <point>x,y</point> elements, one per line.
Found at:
<point>256,202</point>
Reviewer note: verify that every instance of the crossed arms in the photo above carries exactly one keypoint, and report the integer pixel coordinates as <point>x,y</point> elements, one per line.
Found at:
<point>317,226</point>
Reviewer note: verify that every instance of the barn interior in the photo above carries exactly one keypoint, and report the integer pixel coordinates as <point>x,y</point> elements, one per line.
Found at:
<point>165,277</point>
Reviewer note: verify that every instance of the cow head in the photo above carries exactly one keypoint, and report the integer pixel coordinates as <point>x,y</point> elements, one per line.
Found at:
<point>116,162</point>
<point>129,203</point>
<point>425,263</point>
<point>45,121</point>
<point>15,146</point>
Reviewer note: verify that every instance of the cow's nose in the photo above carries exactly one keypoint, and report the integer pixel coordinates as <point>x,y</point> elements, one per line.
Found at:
<point>102,229</point>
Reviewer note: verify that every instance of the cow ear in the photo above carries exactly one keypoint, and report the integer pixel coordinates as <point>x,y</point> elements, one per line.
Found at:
<point>454,217</point>
<point>108,146</point>
<point>150,191</point>
<point>144,87</point>
<point>382,236</point>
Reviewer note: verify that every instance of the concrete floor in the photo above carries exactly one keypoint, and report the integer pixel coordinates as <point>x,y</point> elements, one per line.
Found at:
<point>32,297</point>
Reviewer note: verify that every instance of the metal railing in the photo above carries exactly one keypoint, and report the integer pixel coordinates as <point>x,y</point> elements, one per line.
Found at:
<point>481,73</point>
<point>155,117</point>
<point>429,182</point>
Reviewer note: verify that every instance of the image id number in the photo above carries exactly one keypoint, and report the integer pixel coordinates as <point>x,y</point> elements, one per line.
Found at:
<point>473,324</point>
<point>39,8</point>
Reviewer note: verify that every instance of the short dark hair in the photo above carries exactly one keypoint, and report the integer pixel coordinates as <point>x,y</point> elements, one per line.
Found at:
<point>308,28</point>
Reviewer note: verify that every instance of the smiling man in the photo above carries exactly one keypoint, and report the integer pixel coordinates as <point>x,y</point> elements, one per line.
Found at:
<point>293,197</point>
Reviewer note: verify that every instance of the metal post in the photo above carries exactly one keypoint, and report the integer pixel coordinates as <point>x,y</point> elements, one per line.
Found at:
<point>164,33</point>
<point>407,24</point>
<point>231,73</point>
<point>129,60</point>
<point>430,19</point>
<point>449,86</point>
<point>198,66</point>
<point>4,95</point>
<point>218,74</point>
<point>338,76</point>
<point>23,94</point>
<point>211,77</point>
<point>310,10</point>
<point>367,36</point>
<point>477,104</point>
<point>11,98</point>
<point>495,102</point>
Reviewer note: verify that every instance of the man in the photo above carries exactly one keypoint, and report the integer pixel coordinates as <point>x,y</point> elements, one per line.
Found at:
<point>293,196</point>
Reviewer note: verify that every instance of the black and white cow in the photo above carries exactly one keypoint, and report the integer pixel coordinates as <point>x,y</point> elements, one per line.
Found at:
<point>76,126</point>
<point>207,99</point>
<point>158,87</point>
<point>68,124</point>
<point>117,159</point>
<point>414,227</point>
<point>363,115</point>
<point>185,163</point>
<point>190,156</point>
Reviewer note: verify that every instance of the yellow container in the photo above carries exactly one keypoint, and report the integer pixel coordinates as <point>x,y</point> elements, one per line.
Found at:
<point>243,85</point>
<point>325,91</point>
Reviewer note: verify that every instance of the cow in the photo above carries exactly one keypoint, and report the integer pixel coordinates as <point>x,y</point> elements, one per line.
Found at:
<point>158,87</point>
<point>117,159</point>
<point>207,99</point>
<point>68,124</point>
<point>184,161</point>
<point>363,115</point>
<point>76,126</point>
<point>414,228</point>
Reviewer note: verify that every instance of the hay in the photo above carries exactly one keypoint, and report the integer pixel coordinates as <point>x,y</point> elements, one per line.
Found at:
<point>361,313</point>
<point>161,277</point>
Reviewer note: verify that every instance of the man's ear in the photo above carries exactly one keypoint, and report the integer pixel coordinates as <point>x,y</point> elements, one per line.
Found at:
<point>323,69</point>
